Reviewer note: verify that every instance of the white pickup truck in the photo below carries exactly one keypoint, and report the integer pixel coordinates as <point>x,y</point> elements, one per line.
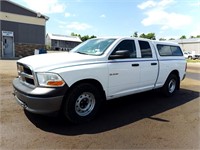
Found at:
<point>99,69</point>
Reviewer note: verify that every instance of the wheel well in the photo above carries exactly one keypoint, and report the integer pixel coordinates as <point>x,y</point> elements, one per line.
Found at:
<point>91,81</point>
<point>176,73</point>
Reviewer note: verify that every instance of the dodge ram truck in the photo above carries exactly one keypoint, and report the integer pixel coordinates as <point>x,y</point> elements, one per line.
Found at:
<point>77,82</point>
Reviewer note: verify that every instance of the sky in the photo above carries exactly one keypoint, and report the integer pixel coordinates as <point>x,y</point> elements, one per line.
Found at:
<point>166,18</point>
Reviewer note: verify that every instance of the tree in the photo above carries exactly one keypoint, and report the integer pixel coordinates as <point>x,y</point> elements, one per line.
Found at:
<point>142,35</point>
<point>198,36</point>
<point>171,39</point>
<point>93,36</point>
<point>135,34</point>
<point>86,37</point>
<point>73,34</point>
<point>162,39</point>
<point>183,37</point>
<point>192,37</point>
<point>83,38</point>
<point>148,36</point>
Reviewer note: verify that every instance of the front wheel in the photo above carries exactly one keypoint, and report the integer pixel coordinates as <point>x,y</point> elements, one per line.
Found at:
<point>82,103</point>
<point>170,85</point>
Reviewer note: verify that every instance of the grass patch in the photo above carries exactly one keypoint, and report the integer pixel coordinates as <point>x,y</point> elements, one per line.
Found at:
<point>193,61</point>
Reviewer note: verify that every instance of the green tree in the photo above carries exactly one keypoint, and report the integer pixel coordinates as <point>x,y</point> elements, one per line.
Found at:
<point>192,37</point>
<point>83,38</point>
<point>148,36</point>
<point>183,37</point>
<point>171,39</point>
<point>135,34</point>
<point>74,34</point>
<point>142,35</point>
<point>93,36</point>
<point>198,36</point>
<point>162,39</point>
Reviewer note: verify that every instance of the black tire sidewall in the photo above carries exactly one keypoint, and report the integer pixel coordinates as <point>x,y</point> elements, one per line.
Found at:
<point>165,88</point>
<point>72,96</point>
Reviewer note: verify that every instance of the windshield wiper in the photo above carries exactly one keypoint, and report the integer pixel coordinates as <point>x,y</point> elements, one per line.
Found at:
<point>82,53</point>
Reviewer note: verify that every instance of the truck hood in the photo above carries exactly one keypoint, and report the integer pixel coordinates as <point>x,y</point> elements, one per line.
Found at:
<point>48,62</point>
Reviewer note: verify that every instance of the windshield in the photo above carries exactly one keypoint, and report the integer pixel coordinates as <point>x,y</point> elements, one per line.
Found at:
<point>93,46</point>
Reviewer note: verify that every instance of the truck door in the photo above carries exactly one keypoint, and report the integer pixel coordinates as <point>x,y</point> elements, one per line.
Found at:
<point>124,73</point>
<point>149,65</point>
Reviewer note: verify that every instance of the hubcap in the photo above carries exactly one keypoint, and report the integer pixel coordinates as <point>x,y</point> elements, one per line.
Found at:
<point>172,86</point>
<point>85,104</point>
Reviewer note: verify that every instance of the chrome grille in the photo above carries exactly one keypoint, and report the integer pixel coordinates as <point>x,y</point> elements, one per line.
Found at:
<point>26,75</point>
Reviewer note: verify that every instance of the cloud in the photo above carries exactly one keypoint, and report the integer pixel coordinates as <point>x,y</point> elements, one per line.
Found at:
<point>195,30</point>
<point>45,6</point>
<point>157,15</point>
<point>78,26</point>
<point>166,20</point>
<point>103,16</point>
<point>151,4</point>
<point>195,4</point>
<point>67,14</point>
<point>147,4</point>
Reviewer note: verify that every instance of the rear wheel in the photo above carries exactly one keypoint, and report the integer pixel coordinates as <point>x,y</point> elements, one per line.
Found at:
<point>82,103</point>
<point>170,85</point>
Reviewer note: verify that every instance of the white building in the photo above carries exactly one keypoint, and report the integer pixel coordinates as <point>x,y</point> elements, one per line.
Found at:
<point>189,45</point>
<point>62,42</point>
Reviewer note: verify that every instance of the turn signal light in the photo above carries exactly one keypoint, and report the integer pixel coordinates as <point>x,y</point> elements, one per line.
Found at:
<point>55,83</point>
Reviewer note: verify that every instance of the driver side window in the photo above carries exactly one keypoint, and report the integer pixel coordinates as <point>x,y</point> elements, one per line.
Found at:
<point>128,45</point>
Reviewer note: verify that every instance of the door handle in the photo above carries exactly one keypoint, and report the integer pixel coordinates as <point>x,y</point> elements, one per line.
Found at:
<point>135,65</point>
<point>153,64</point>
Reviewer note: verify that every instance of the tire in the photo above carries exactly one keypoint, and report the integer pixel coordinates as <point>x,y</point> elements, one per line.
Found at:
<point>82,103</point>
<point>170,86</point>
<point>189,57</point>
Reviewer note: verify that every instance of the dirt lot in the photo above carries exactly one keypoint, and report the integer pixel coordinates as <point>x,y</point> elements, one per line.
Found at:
<point>142,121</point>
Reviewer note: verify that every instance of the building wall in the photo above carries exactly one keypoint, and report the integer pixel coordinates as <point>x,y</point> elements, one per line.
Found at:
<point>63,45</point>
<point>191,47</point>
<point>25,33</point>
<point>48,42</point>
<point>28,28</point>
<point>9,7</point>
<point>23,50</point>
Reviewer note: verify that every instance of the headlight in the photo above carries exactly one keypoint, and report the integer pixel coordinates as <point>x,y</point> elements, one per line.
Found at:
<point>49,80</point>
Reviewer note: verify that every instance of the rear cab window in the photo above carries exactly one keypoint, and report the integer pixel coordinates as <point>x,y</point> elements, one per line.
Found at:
<point>169,50</point>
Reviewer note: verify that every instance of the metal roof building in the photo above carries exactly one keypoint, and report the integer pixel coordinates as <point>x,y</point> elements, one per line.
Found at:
<point>62,42</point>
<point>190,45</point>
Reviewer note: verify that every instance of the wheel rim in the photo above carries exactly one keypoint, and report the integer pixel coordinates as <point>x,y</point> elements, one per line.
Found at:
<point>172,86</point>
<point>85,104</point>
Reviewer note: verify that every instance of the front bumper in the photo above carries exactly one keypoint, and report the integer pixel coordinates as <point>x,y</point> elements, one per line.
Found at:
<point>40,100</point>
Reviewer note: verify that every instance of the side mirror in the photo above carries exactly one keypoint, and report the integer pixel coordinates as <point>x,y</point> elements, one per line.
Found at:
<point>120,54</point>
